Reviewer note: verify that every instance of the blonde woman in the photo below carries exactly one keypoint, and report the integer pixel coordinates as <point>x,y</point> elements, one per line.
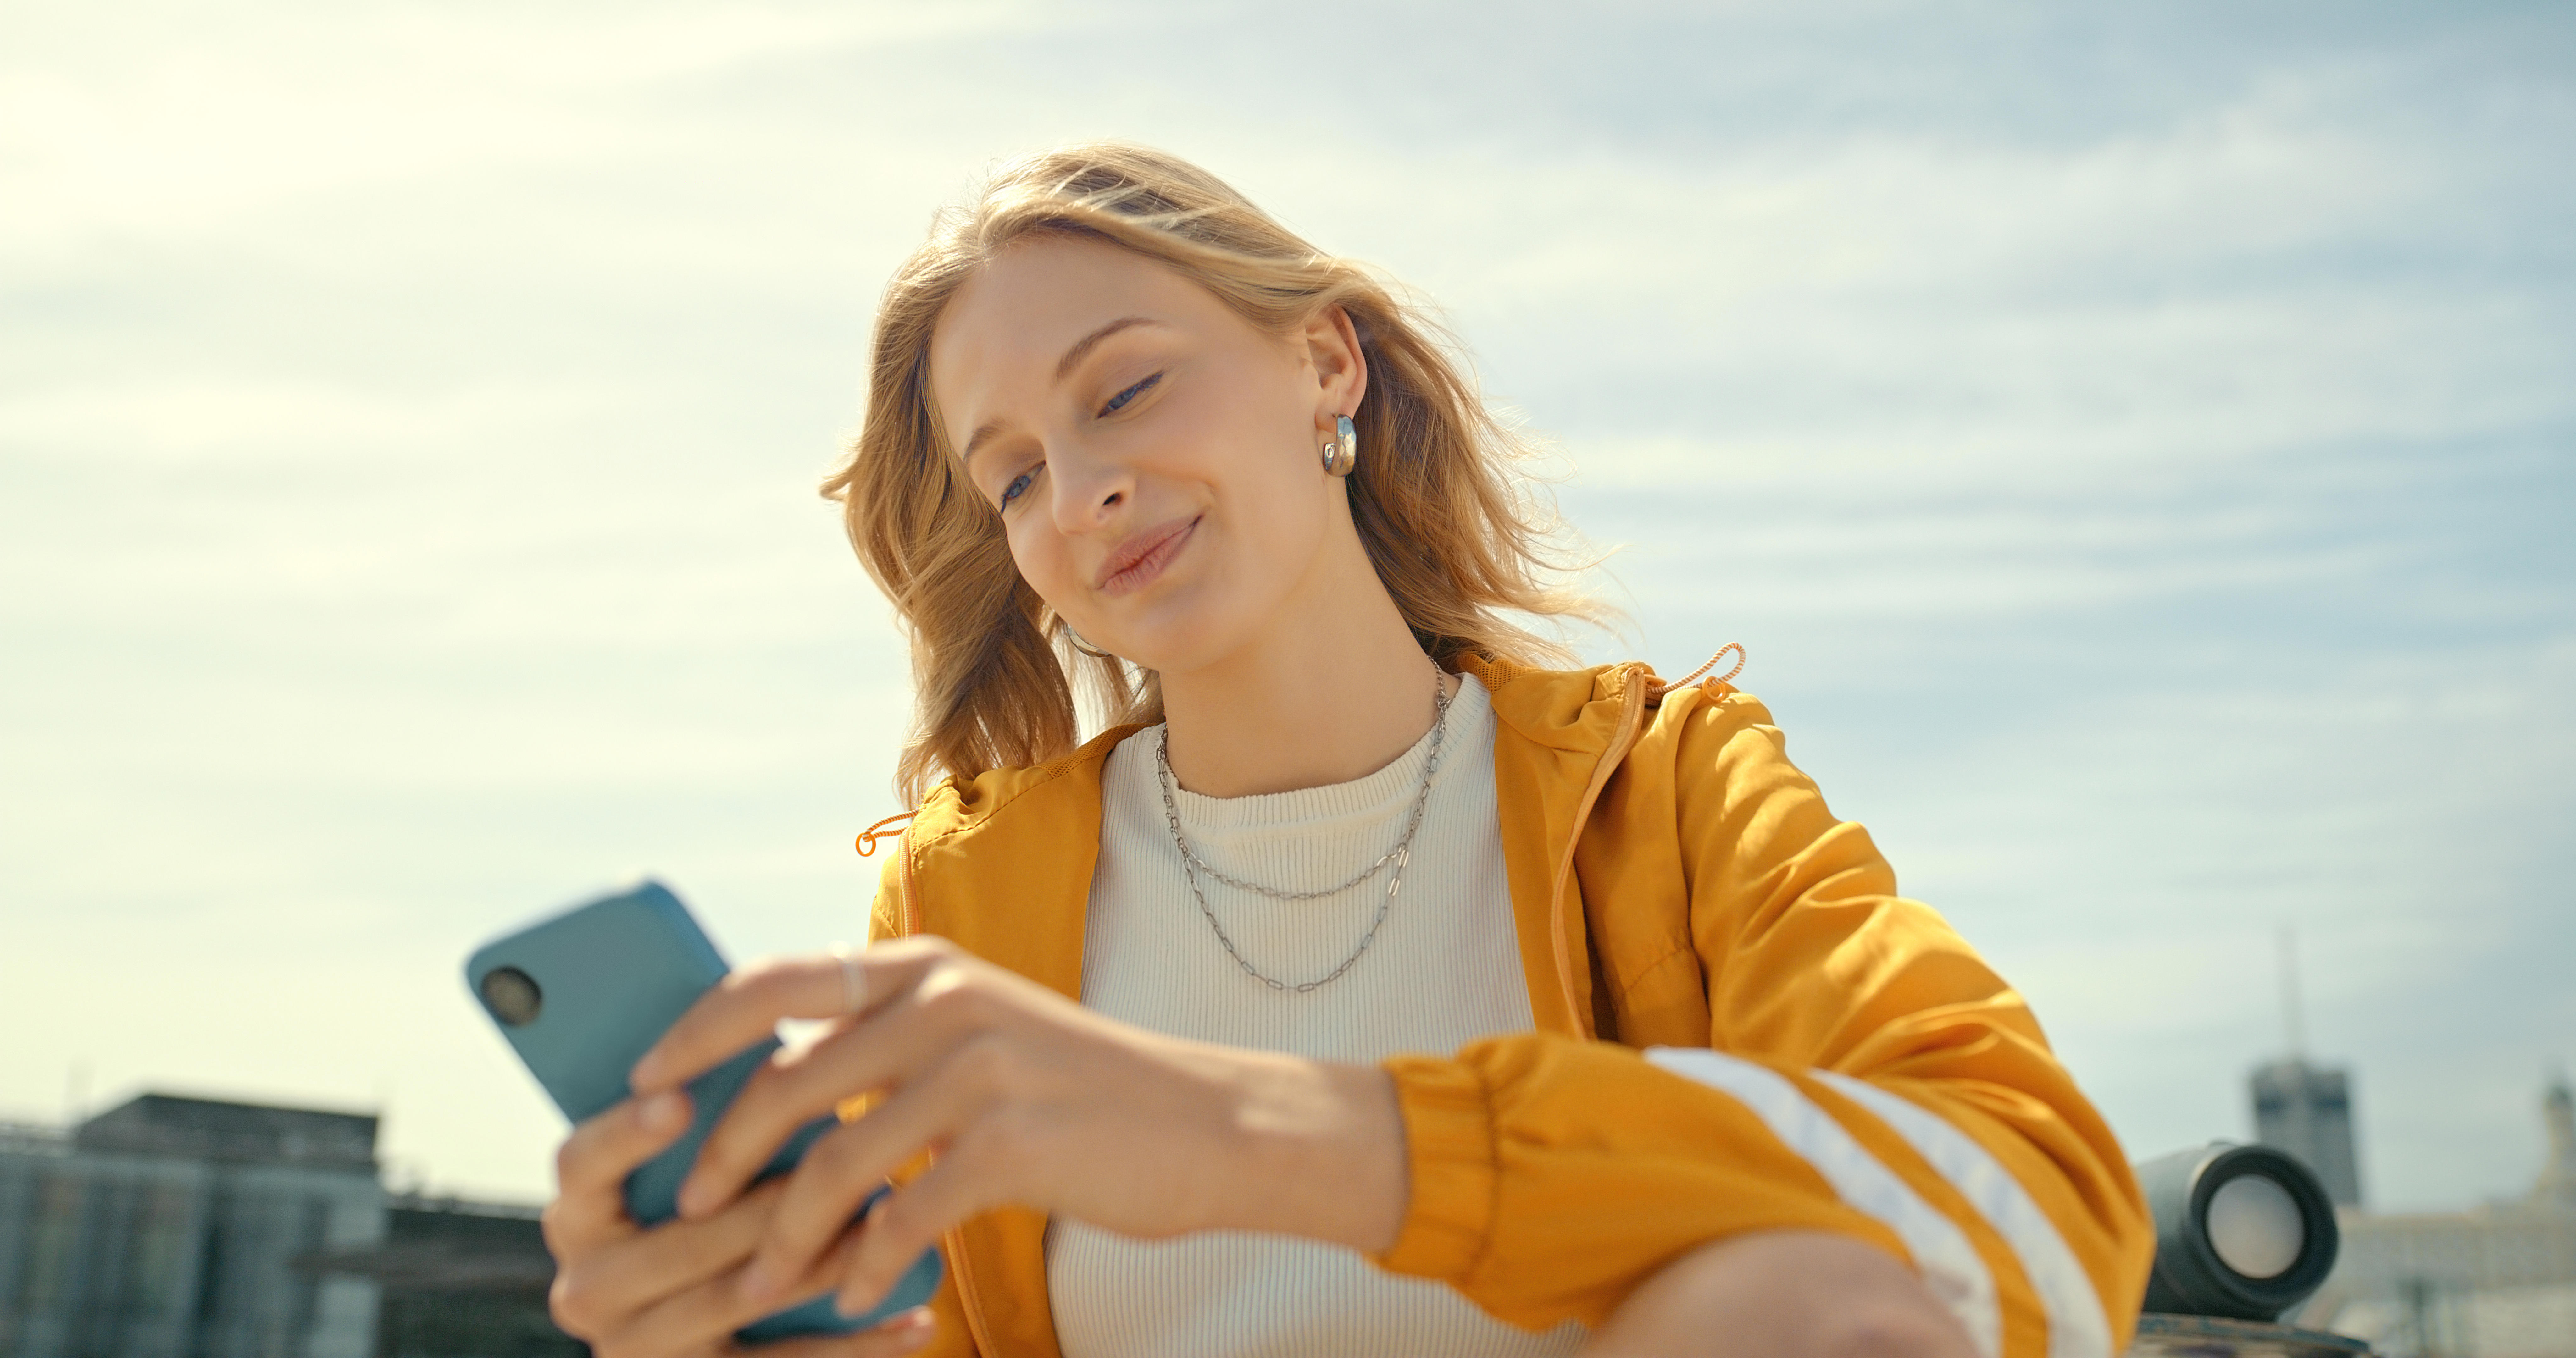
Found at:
<point>1376,983</point>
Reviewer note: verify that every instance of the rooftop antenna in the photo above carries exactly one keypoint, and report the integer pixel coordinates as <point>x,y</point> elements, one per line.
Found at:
<point>2293,1025</point>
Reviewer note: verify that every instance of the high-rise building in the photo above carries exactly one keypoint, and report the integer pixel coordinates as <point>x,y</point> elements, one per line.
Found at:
<point>2557,1186</point>
<point>196,1228</point>
<point>2303,1108</point>
<point>172,1228</point>
<point>2307,1110</point>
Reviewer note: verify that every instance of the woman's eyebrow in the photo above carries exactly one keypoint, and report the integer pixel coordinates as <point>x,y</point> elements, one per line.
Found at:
<point>1064,366</point>
<point>976,441</point>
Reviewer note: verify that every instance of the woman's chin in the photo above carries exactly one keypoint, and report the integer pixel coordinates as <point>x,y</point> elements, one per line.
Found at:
<point>1185,645</point>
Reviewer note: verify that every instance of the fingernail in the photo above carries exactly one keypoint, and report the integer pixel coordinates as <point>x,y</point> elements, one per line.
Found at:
<point>663,1112</point>
<point>697,1197</point>
<point>759,1283</point>
<point>915,1330</point>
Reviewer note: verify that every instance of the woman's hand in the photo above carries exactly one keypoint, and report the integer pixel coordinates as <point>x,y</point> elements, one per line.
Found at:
<point>672,1291</point>
<point>1027,1099</point>
<point>1783,1294</point>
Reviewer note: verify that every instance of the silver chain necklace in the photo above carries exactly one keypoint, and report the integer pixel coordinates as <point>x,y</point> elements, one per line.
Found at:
<point>1192,865</point>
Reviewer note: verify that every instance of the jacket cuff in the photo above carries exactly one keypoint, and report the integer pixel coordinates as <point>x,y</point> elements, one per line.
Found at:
<point>1450,1164</point>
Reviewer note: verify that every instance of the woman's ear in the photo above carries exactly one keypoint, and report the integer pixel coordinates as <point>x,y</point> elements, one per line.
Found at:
<point>1341,368</point>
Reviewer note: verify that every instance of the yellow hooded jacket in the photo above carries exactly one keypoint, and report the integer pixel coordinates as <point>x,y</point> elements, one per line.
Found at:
<point>1740,1026</point>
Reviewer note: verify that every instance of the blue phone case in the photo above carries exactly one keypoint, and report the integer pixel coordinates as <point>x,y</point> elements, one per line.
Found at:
<point>595,988</point>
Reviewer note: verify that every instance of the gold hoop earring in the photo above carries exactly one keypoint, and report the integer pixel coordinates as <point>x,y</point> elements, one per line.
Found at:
<point>1342,450</point>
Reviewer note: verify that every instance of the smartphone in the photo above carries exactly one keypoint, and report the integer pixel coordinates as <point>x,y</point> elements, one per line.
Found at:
<point>583,994</point>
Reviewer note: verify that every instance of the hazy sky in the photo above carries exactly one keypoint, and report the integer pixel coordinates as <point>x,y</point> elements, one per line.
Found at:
<point>2138,448</point>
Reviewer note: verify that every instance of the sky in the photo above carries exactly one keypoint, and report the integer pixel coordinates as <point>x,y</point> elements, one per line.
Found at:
<point>2137,446</point>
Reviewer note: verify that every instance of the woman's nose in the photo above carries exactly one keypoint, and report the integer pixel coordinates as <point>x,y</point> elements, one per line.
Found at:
<point>1090,494</point>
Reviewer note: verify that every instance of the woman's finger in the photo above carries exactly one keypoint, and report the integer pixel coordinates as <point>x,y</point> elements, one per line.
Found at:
<point>592,1164</point>
<point>594,1293</point>
<point>893,1044</point>
<point>601,1152</point>
<point>700,1318</point>
<point>746,1006</point>
<point>696,1320</point>
<point>960,1184</point>
<point>843,1168</point>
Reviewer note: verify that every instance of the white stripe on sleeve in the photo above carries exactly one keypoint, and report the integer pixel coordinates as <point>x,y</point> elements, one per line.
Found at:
<point>1949,1263</point>
<point>2078,1326</point>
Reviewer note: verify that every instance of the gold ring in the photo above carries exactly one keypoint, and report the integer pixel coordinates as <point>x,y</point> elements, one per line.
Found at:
<point>854,979</point>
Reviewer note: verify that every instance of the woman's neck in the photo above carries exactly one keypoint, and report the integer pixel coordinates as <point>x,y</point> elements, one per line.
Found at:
<point>1330,694</point>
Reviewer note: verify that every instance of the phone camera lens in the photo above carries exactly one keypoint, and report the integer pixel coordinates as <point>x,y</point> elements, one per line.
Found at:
<point>512,996</point>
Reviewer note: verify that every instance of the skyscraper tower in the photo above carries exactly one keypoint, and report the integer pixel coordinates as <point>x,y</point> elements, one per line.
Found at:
<point>2302,1108</point>
<point>2307,1111</point>
<point>2557,1187</point>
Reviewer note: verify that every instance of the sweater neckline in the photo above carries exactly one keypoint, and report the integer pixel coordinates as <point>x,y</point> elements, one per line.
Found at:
<point>1361,801</point>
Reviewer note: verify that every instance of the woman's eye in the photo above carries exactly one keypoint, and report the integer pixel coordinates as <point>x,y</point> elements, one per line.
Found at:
<point>1121,399</point>
<point>1019,486</point>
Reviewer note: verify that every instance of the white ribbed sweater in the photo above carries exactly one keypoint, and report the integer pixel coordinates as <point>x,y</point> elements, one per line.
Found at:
<point>1444,970</point>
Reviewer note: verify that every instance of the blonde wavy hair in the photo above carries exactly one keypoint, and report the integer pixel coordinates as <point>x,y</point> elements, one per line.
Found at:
<point>1450,522</point>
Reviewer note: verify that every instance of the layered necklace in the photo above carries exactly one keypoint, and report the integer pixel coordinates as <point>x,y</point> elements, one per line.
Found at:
<point>1192,865</point>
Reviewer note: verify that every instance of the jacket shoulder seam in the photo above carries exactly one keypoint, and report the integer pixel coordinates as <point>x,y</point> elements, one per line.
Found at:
<point>1051,771</point>
<point>986,819</point>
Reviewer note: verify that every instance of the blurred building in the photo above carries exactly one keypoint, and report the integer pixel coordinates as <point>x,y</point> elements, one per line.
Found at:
<point>170,1228</point>
<point>2497,1281</point>
<point>2307,1110</point>
<point>197,1228</point>
<point>2557,1186</point>
<point>458,1278</point>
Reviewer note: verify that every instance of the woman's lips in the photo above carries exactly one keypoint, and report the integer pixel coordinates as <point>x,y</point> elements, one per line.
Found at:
<point>1140,560</point>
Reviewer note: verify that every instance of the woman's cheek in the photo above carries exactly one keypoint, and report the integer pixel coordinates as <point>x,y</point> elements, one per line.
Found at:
<point>1041,559</point>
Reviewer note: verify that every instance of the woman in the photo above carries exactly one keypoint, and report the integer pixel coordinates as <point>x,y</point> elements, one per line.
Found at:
<point>1368,986</point>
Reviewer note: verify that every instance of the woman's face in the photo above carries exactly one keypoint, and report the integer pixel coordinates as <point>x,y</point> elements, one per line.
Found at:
<point>1155,458</point>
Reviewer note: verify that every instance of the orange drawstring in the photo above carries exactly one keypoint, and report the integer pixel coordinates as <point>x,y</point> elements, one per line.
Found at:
<point>1720,684</point>
<point>868,837</point>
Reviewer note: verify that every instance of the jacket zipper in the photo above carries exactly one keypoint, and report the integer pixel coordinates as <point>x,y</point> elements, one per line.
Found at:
<point>954,1240</point>
<point>1643,687</point>
<point>966,1302</point>
<point>1632,710</point>
<point>911,921</point>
